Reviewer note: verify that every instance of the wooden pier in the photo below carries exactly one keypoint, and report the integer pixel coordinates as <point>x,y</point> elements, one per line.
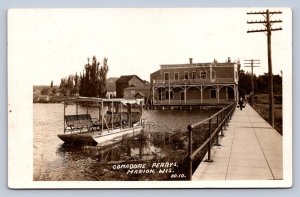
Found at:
<point>250,150</point>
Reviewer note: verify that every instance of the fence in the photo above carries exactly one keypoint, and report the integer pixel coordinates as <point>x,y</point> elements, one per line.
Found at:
<point>216,124</point>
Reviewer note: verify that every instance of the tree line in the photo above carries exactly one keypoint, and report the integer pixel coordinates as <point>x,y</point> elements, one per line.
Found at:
<point>90,83</point>
<point>260,83</point>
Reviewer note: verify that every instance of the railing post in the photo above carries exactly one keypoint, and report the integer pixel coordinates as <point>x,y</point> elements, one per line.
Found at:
<point>230,112</point>
<point>217,144</point>
<point>190,160</point>
<point>224,118</point>
<point>227,119</point>
<point>221,124</point>
<point>209,144</point>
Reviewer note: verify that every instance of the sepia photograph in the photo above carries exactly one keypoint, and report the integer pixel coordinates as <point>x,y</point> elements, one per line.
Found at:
<point>150,98</point>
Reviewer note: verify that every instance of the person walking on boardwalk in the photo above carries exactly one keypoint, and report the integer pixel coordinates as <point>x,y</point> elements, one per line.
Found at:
<point>241,102</point>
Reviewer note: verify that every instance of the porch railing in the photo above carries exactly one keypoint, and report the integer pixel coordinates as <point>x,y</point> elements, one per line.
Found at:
<point>193,81</point>
<point>216,124</point>
<point>192,102</point>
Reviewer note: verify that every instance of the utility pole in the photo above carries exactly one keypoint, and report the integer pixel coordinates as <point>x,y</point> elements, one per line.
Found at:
<point>268,29</point>
<point>252,63</point>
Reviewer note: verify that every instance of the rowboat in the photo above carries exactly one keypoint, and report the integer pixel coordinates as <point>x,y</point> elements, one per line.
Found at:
<point>115,119</point>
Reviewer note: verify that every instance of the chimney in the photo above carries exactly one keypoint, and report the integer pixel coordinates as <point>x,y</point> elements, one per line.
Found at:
<point>191,60</point>
<point>229,60</point>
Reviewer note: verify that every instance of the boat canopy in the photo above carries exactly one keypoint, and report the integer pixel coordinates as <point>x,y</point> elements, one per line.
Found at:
<point>102,100</point>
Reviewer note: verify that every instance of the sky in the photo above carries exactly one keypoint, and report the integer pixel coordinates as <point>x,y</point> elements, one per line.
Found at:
<point>54,43</point>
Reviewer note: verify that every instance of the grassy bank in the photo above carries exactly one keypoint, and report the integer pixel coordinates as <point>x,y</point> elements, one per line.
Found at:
<point>263,110</point>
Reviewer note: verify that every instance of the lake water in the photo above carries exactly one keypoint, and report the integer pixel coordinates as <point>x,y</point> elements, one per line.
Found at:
<point>57,162</point>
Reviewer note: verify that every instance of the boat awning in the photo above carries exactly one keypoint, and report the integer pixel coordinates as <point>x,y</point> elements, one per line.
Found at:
<point>132,101</point>
<point>102,100</point>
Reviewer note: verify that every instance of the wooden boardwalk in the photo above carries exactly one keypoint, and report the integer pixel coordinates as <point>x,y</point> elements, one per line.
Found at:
<point>250,150</point>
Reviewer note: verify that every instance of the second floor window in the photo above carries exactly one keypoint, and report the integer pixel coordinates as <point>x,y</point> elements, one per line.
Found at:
<point>203,74</point>
<point>166,76</point>
<point>186,74</point>
<point>176,76</point>
<point>194,76</point>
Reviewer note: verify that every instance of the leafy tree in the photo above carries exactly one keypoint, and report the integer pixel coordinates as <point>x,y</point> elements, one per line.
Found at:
<point>63,87</point>
<point>261,83</point>
<point>103,79</point>
<point>277,84</point>
<point>82,84</point>
<point>70,83</point>
<point>54,91</point>
<point>245,83</point>
<point>45,91</point>
<point>91,83</point>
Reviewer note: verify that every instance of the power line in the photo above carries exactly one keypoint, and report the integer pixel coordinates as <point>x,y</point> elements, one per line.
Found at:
<point>252,63</point>
<point>268,29</point>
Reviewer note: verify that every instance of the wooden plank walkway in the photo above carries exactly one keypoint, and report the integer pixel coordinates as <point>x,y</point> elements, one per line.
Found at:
<point>250,150</point>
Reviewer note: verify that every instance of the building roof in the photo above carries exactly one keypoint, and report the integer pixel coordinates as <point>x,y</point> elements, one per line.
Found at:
<point>127,78</point>
<point>140,93</point>
<point>158,71</point>
<point>143,87</point>
<point>197,65</point>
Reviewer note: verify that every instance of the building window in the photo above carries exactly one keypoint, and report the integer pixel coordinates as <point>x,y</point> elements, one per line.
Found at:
<point>213,94</point>
<point>166,76</point>
<point>213,75</point>
<point>186,74</point>
<point>171,94</point>
<point>203,74</point>
<point>176,75</point>
<point>194,76</point>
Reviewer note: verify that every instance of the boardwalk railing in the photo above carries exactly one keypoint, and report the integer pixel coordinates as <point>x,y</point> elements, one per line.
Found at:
<point>216,124</point>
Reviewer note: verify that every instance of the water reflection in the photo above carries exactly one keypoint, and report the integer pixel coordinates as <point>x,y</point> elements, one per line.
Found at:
<point>144,148</point>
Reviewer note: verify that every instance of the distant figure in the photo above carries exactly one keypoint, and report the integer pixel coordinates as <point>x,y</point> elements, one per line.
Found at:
<point>241,102</point>
<point>251,99</point>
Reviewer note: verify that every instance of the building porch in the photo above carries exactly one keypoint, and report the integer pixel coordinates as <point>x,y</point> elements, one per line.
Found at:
<point>194,94</point>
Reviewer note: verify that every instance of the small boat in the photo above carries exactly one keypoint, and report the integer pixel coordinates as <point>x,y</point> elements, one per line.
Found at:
<point>115,119</point>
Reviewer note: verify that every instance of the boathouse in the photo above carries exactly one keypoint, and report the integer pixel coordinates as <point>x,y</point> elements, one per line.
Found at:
<point>210,83</point>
